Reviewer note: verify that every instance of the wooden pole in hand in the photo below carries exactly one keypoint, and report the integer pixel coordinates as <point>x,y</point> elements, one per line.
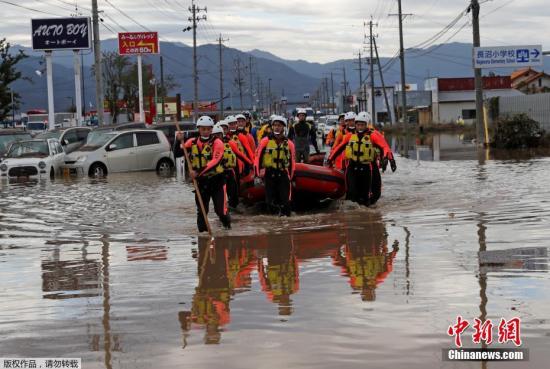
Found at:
<point>196,185</point>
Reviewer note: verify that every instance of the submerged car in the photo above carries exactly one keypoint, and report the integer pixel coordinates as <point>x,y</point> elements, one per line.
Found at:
<point>33,159</point>
<point>121,151</point>
<point>35,128</point>
<point>70,138</point>
<point>8,136</point>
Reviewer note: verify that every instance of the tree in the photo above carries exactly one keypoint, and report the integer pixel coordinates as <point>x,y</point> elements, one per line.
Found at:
<point>120,77</point>
<point>8,75</point>
<point>115,68</point>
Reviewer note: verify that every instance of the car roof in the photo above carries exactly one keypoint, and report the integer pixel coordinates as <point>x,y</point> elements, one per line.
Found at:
<point>37,140</point>
<point>5,132</point>
<point>119,127</point>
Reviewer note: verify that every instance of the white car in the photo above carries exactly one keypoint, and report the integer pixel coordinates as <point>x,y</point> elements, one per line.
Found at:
<point>33,159</point>
<point>121,151</point>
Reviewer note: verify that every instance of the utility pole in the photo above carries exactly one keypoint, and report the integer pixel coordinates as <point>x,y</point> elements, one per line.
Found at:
<point>194,11</point>
<point>97,65</point>
<point>388,108</point>
<point>163,91</point>
<point>239,81</point>
<point>260,93</point>
<point>481,139</point>
<point>326,92</point>
<point>269,89</point>
<point>220,41</point>
<point>371,62</point>
<point>402,59</point>
<point>331,93</point>
<point>360,79</point>
<point>345,89</point>
<point>251,83</point>
<point>12,108</point>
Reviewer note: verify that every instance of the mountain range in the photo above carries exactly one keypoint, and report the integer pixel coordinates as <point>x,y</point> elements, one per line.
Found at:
<point>291,78</point>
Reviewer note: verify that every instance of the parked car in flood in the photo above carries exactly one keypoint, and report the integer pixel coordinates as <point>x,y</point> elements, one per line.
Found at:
<point>35,128</point>
<point>121,151</point>
<point>70,138</point>
<point>8,136</point>
<point>170,128</point>
<point>39,158</point>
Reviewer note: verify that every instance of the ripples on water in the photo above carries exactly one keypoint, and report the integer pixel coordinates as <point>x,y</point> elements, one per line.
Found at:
<point>113,272</point>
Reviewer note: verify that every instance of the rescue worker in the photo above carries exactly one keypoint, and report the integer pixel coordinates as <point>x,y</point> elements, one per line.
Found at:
<point>302,134</point>
<point>264,130</point>
<point>382,162</point>
<point>233,157</point>
<point>241,141</point>
<point>243,132</point>
<point>360,155</point>
<point>206,155</point>
<point>339,130</point>
<point>275,163</point>
<point>248,118</point>
<point>349,121</point>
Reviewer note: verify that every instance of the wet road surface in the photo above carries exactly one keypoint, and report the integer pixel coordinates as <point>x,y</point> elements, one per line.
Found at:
<point>112,271</point>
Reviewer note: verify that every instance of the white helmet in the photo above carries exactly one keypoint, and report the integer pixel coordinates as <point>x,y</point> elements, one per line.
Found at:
<point>301,111</point>
<point>279,118</point>
<point>363,116</point>
<point>272,116</point>
<point>230,119</point>
<point>349,115</point>
<point>240,116</point>
<point>223,122</point>
<point>205,121</point>
<point>217,129</point>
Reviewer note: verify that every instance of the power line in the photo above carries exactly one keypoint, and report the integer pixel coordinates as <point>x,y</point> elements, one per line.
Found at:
<point>28,8</point>
<point>127,16</point>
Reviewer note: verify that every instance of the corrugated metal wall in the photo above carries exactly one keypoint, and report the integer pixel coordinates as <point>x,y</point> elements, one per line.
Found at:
<point>536,106</point>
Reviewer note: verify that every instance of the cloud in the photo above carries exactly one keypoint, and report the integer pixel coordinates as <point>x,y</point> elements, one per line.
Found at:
<point>314,30</point>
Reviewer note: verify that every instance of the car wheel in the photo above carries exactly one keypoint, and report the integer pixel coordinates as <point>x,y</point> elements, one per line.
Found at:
<point>165,167</point>
<point>97,170</point>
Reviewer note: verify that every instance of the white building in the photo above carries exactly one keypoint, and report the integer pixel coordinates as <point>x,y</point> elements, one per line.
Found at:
<point>455,97</point>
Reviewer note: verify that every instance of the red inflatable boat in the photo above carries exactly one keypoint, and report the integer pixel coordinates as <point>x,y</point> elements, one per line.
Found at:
<point>311,180</point>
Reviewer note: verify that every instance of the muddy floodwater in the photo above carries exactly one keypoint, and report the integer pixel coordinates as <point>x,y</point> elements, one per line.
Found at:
<point>112,271</point>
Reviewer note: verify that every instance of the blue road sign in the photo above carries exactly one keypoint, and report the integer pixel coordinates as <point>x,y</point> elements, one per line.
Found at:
<point>508,56</point>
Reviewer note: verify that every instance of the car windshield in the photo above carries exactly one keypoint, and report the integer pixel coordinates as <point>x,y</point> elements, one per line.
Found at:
<point>53,134</point>
<point>331,123</point>
<point>6,140</point>
<point>29,149</point>
<point>97,139</point>
<point>36,126</point>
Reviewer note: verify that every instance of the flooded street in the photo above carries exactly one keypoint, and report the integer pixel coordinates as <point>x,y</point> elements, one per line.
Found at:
<point>112,271</point>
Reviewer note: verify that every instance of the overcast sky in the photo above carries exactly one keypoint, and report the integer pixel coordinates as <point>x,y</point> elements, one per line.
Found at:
<point>314,30</point>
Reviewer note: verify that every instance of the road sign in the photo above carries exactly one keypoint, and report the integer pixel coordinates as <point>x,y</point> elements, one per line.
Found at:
<point>508,56</point>
<point>61,33</point>
<point>136,43</point>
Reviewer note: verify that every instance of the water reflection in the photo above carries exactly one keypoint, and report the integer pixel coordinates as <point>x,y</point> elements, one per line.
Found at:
<point>66,279</point>
<point>365,259</point>
<point>225,266</point>
<point>448,146</point>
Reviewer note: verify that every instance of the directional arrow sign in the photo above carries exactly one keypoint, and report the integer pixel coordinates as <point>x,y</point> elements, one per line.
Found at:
<point>508,56</point>
<point>137,43</point>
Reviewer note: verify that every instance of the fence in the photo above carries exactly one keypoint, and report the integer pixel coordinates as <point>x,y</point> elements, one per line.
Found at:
<point>536,106</point>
